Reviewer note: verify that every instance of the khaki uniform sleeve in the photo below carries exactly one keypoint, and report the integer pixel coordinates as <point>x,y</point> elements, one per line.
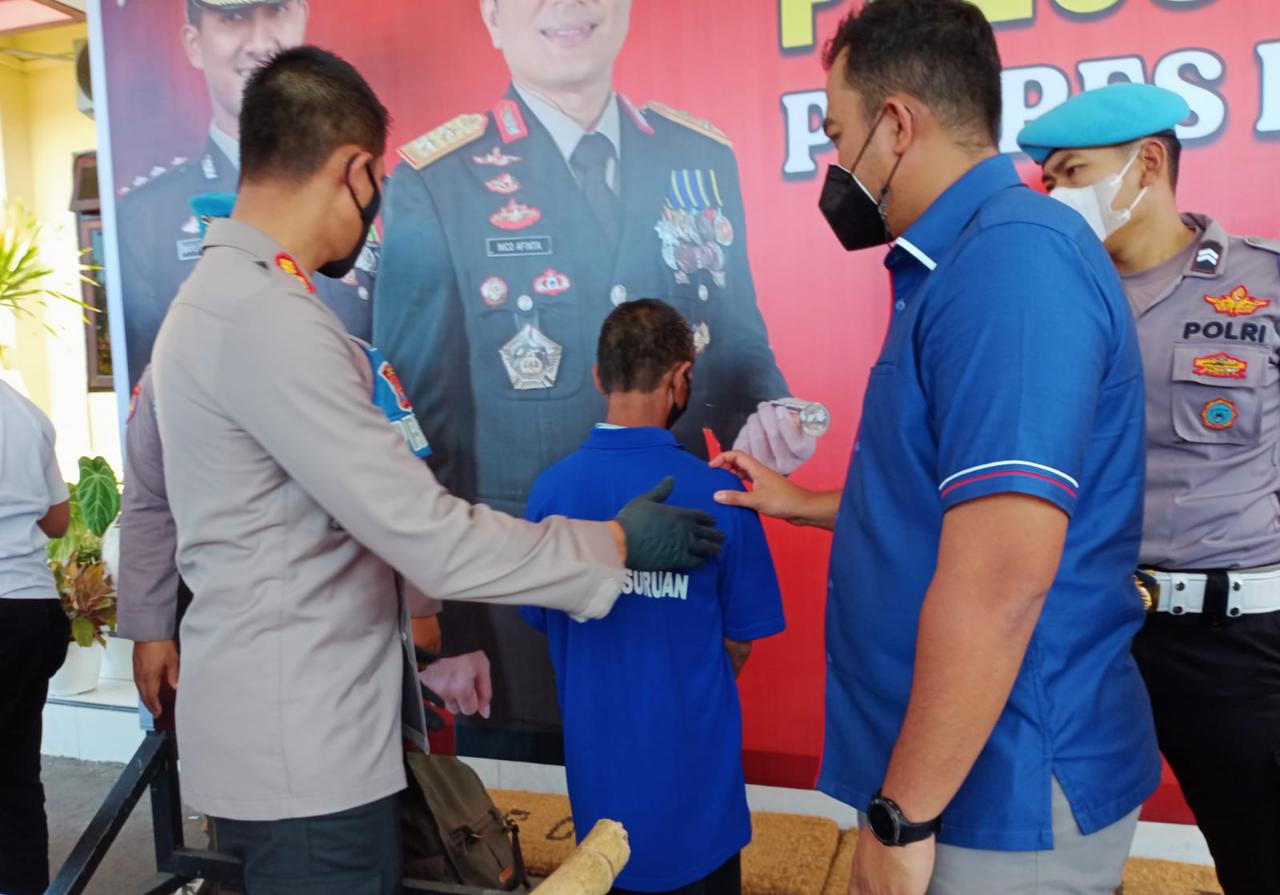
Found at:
<point>148,575</point>
<point>292,382</point>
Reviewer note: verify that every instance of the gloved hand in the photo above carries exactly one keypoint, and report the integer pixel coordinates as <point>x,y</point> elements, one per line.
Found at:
<point>462,682</point>
<point>662,538</point>
<point>773,436</point>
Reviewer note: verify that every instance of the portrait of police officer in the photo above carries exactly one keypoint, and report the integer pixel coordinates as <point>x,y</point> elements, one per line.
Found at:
<point>1207,306</point>
<point>510,233</point>
<point>159,234</point>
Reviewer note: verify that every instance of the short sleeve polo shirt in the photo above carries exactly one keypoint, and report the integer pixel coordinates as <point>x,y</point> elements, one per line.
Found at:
<point>1010,365</point>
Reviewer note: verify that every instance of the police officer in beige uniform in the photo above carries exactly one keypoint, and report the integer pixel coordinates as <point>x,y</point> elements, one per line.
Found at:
<point>1208,314</point>
<point>152,597</point>
<point>295,500</point>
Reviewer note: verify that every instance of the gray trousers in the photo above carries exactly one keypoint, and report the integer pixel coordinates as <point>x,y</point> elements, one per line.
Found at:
<point>1077,864</point>
<point>352,852</point>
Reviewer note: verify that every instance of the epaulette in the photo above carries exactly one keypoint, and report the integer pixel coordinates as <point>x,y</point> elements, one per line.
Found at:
<point>701,125</point>
<point>151,176</point>
<point>1267,245</point>
<point>439,142</point>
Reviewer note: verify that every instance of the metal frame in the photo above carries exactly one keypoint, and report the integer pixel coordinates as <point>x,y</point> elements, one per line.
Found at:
<point>155,766</point>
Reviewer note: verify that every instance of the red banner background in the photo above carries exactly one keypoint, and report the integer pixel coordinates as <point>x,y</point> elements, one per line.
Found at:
<point>722,60</point>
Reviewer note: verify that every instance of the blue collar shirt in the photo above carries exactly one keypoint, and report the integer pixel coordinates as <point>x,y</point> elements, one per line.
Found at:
<point>1010,366</point>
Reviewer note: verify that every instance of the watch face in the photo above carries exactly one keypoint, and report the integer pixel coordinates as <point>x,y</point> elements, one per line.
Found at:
<point>882,821</point>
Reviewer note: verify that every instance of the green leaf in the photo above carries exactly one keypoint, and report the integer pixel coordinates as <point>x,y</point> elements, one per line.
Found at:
<point>98,494</point>
<point>82,631</point>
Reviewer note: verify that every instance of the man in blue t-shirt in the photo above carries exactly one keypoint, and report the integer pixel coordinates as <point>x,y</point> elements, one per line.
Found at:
<point>652,726</point>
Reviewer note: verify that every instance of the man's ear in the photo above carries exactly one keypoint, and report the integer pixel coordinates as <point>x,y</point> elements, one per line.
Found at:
<point>682,376</point>
<point>595,374</point>
<point>190,37</point>
<point>489,13</point>
<point>900,114</point>
<point>1153,157</point>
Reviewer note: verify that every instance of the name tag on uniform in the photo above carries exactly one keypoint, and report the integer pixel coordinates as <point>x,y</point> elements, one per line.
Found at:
<point>412,434</point>
<point>518,248</point>
<point>188,249</point>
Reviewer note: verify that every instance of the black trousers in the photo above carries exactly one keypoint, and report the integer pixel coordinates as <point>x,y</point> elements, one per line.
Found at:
<point>1215,690</point>
<point>352,852</point>
<point>33,642</point>
<point>724,880</point>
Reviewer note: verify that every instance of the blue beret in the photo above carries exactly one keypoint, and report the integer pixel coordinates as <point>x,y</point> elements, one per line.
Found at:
<point>1107,116</point>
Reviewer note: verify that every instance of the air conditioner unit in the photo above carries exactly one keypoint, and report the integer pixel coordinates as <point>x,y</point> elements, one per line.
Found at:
<point>84,82</point>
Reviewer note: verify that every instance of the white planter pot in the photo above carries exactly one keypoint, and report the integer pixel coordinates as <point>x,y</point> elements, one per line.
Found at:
<point>117,662</point>
<point>79,673</point>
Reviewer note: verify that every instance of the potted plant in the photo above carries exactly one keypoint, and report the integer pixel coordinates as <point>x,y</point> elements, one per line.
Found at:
<point>22,278</point>
<point>84,586</point>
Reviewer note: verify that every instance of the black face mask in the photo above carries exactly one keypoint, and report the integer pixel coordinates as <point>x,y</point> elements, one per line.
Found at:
<point>341,267</point>
<point>677,411</point>
<point>856,217</point>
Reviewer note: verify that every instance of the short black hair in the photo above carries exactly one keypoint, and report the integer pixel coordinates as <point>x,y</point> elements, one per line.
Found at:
<point>639,343</point>
<point>943,52</point>
<point>299,108</point>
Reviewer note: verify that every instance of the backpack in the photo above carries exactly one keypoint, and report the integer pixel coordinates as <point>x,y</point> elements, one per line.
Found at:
<point>451,829</point>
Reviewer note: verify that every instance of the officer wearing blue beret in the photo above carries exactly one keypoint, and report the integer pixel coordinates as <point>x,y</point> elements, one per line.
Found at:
<point>1207,306</point>
<point>159,234</point>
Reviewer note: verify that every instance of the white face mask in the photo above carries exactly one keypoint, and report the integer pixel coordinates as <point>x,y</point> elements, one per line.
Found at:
<point>1094,202</point>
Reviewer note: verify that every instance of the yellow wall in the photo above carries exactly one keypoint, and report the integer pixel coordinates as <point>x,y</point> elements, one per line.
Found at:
<point>40,130</point>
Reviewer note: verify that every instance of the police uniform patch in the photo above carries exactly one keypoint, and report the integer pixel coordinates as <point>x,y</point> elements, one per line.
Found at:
<point>1221,366</point>
<point>497,158</point>
<point>552,282</point>
<point>532,359</point>
<point>503,183</point>
<point>1237,303</point>
<point>285,262</point>
<point>515,216</point>
<point>439,142</point>
<point>1219,414</point>
<point>133,402</point>
<point>1208,257</point>
<point>188,249</point>
<point>388,374</point>
<point>511,126</point>
<point>701,125</point>
<point>494,292</point>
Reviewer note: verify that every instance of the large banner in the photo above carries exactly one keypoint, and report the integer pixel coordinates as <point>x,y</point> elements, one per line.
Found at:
<point>490,281</point>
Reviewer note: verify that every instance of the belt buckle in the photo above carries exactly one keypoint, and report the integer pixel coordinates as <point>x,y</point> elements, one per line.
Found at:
<point>1148,589</point>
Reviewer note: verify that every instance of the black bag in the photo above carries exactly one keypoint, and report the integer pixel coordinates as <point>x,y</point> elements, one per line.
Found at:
<point>452,831</point>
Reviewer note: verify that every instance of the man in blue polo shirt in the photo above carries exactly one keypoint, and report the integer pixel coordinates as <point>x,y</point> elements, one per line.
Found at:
<point>983,707</point>
<point>652,725</point>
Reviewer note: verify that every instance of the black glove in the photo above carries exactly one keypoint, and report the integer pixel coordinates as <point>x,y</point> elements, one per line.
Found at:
<point>662,538</point>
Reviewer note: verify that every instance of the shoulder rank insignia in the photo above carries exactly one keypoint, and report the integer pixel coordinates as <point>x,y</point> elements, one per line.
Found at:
<point>701,125</point>
<point>285,262</point>
<point>511,126</point>
<point>1237,303</point>
<point>439,142</point>
<point>1208,257</point>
